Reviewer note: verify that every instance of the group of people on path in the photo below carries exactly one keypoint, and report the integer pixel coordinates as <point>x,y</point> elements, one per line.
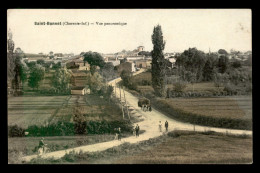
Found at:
<point>166,125</point>
<point>118,134</point>
<point>146,108</point>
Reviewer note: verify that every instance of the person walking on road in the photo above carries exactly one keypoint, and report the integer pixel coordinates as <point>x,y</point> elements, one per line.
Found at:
<point>160,126</point>
<point>145,108</point>
<point>116,136</point>
<point>137,128</point>
<point>41,146</point>
<point>119,134</point>
<point>166,125</point>
<point>134,131</point>
<point>150,108</point>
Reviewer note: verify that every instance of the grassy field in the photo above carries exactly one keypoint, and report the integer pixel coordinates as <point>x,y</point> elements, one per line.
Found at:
<point>179,147</point>
<point>142,76</point>
<point>223,112</point>
<point>202,87</point>
<point>193,149</point>
<point>219,107</point>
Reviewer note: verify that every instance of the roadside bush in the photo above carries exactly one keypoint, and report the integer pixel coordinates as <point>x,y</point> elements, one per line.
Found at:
<point>80,128</point>
<point>15,131</point>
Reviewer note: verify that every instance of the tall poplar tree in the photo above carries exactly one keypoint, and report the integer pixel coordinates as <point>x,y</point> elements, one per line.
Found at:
<point>158,62</point>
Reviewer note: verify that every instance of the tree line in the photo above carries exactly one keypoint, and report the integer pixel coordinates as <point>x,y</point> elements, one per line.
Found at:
<point>194,65</point>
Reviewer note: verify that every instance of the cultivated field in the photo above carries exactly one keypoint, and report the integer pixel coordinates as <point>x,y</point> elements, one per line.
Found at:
<point>218,107</point>
<point>25,111</point>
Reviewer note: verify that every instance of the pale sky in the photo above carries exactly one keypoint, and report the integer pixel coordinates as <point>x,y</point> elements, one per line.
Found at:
<point>182,28</point>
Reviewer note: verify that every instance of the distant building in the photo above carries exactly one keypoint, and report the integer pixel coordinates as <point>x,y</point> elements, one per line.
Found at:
<point>140,48</point>
<point>172,60</point>
<point>143,64</point>
<point>34,57</point>
<point>58,55</point>
<point>128,66</point>
<point>115,63</point>
<point>134,58</point>
<point>113,60</point>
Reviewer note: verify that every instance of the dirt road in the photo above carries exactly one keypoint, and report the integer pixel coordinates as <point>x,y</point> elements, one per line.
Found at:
<point>149,124</point>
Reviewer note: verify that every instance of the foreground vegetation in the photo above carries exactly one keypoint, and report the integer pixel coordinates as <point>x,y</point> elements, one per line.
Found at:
<point>178,147</point>
<point>27,145</point>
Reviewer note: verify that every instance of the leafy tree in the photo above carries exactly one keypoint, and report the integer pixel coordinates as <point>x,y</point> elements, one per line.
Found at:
<point>19,70</point>
<point>56,66</point>
<point>36,75</point>
<point>208,71</point>
<point>192,60</point>
<point>236,64</point>
<point>191,77</point>
<point>223,64</point>
<point>95,82</point>
<point>31,64</point>
<point>18,50</point>
<point>10,57</point>
<point>222,51</point>
<point>108,70</point>
<point>47,66</point>
<point>158,62</point>
<point>248,61</point>
<point>40,61</point>
<point>23,72</point>
<point>125,76</point>
<point>106,91</point>
<point>220,79</point>
<point>94,59</point>
<point>93,69</point>
<point>61,79</point>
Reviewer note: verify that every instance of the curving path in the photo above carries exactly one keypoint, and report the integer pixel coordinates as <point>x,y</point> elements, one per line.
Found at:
<point>149,124</point>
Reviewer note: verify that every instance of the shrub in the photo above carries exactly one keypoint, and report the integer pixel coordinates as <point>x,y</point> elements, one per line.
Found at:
<point>15,131</point>
<point>179,86</point>
<point>84,127</point>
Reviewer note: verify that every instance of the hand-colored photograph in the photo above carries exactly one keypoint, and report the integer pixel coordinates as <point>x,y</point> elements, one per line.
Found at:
<point>129,86</point>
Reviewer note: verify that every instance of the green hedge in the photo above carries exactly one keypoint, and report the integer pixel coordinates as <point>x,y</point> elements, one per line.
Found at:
<point>71,128</point>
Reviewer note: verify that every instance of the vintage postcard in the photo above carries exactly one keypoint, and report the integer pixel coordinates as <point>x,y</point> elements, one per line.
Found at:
<point>129,86</point>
